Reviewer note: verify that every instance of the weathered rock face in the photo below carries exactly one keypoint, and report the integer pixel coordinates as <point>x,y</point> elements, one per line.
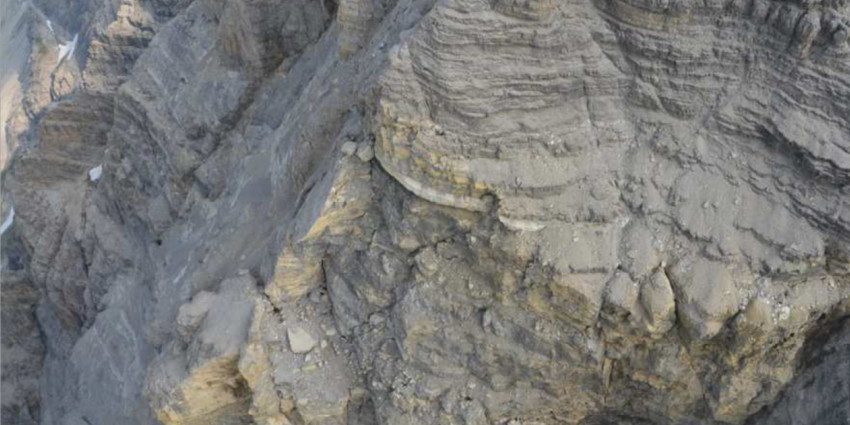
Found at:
<point>425,212</point>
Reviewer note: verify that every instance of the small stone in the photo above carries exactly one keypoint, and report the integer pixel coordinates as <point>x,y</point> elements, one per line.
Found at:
<point>300,341</point>
<point>365,152</point>
<point>784,312</point>
<point>486,318</point>
<point>315,297</point>
<point>376,319</point>
<point>428,261</point>
<point>348,148</point>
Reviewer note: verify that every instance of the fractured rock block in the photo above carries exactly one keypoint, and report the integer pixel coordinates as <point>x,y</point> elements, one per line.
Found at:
<point>707,296</point>
<point>330,207</point>
<point>659,302</point>
<point>577,260</point>
<point>198,381</point>
<point>622,300</point>
<point>354,17</point>
<point>295,274</point>
<point>300,340</point>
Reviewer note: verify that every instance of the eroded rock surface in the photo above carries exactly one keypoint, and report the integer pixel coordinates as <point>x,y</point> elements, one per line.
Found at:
<point>425,212</point>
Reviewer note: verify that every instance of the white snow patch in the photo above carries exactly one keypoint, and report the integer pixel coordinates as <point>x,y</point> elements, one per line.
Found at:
<point>8,221</point>
<point>95,172</point>
<point>67,49</point>
<point>50,25</point>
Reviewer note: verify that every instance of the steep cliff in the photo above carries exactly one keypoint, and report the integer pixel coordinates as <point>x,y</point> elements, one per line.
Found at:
<point>513,212</point>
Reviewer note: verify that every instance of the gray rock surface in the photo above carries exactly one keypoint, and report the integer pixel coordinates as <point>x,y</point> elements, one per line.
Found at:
<point>511,212</point>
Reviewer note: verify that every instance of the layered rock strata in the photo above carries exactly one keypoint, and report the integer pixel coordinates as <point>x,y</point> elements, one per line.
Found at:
<point>425,212</point>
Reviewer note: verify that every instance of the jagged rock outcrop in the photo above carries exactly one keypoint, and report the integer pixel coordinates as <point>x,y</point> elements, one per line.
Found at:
<point>425,212</point>
<point>22,344</point>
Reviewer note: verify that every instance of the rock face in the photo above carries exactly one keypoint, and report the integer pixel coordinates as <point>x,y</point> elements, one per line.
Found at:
<point>320,212</point>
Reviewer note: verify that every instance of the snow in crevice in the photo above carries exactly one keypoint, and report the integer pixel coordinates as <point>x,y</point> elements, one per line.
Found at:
<point>67,49</point>
<point>50,26</point>
<point>95,172</point>
<point>8,221</point>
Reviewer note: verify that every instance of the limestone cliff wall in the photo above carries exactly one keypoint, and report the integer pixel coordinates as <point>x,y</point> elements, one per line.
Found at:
<point>296,212</point>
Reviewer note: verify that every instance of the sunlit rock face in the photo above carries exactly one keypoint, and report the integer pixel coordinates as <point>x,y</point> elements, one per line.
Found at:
<point>470,212</point>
